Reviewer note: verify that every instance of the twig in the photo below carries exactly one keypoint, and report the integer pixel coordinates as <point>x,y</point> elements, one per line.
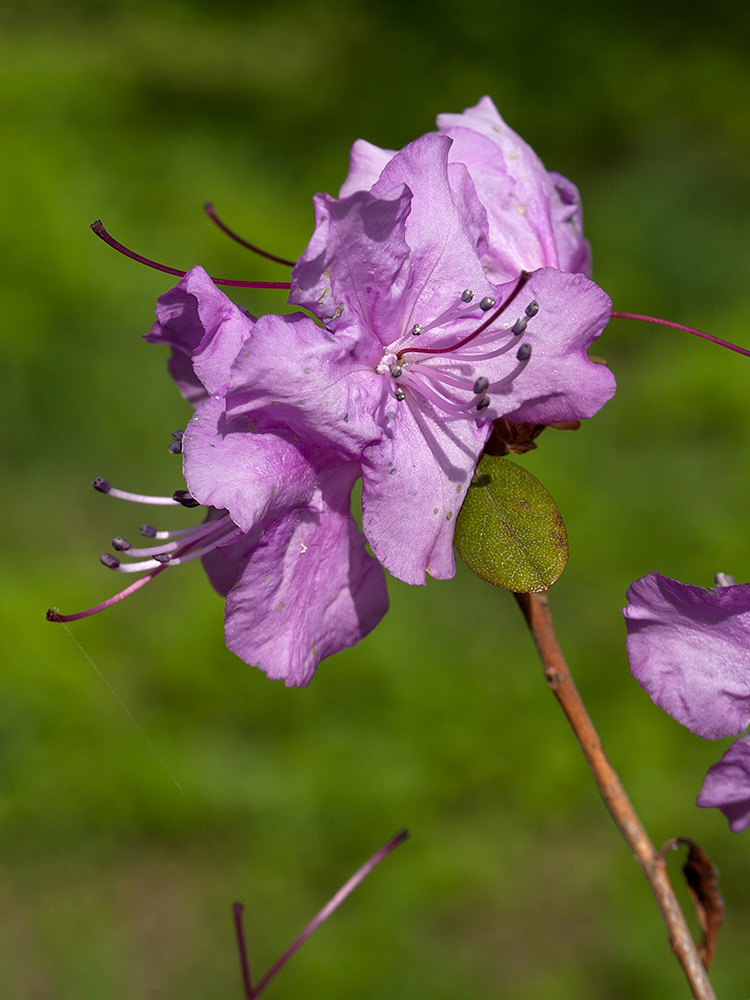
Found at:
<point>536,611</point>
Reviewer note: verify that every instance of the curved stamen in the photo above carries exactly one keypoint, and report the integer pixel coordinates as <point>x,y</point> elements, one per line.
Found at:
<point>55,616</point>
<point>103,486</point>
<point>524,277</point>
<point>208,208</point>
<point>523,357</point>
<point>686,329</point>
<point>197,533</point>
<point>102,233</point>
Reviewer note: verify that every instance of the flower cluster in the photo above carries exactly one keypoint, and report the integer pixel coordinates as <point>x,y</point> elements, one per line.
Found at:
<point>446,287</point>
<point>689,648</point>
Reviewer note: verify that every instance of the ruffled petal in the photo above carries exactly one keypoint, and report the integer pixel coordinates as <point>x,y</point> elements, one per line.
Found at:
<point>727,786</point>
<point>689,648</point>
<point>352,271</point>
<point>560,382</point>
<point>446,232</point>
<point>413,484</point>
<point>297,376</point>
<point>529,222</point>
<point>366,163</point>
<point>308,589</point>
<point>198,321</point>
<point>254,475</point>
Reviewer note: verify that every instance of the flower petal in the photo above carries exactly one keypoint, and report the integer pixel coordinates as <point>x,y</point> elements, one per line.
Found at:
<point>199,321</point>
<point>727,786</point>
<point>366,163</point>
<point>354,263</point>
<point>308,589</point>
<point>253,475</point>
<point>560,382</point>
<point>297,376</point>
<point>689,648</point>
<point>530,221</point>
<point>413,484</point>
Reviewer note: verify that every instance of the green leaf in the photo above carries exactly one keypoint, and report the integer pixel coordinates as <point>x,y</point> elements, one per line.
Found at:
<point>509,530</point>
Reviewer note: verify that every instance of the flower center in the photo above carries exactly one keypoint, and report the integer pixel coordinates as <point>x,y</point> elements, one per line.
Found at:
<point>452,378</point>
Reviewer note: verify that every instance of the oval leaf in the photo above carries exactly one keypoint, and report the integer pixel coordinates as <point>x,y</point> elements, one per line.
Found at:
<point>509,530</point>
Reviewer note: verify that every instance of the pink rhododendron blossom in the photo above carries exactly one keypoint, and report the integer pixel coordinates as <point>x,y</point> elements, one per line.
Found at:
<point>444,289</point>
<point>689,648</point>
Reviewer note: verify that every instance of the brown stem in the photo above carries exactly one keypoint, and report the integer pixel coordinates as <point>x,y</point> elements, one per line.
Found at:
<point>536,611</point>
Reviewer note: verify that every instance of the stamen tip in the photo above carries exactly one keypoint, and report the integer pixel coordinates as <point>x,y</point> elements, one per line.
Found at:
<point>101,484</point>
<point>120,544</point>
<point>108,560</point>
<point>524,352</point>
<point>148,530</point>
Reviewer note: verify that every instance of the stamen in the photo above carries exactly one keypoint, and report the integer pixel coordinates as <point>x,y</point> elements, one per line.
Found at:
<point>416,330</point>
<point>102,233</point>
<point>686,329</point>
<point>467,295</point>
<point>208,208</point>
<point>103,486</point>
<point>184,497</point>
<point>487,303</point>
<point>399,394</point>
<point>523,356</point>
<point>481,385</point>
<point>120,544</point>
<point>524,277</point>
<point>196,532</point>
<point>532,308</point>
<point>519,326</point>
<point>55,616</point>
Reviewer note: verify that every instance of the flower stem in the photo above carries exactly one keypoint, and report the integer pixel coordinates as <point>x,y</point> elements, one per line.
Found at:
<point>539,619</point>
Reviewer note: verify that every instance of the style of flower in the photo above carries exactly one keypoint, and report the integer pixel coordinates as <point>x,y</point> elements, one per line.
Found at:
<point>430,318</point>
<point>689,648</point>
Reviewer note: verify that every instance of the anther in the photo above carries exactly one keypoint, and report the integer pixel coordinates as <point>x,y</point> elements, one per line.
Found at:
<point>481,384</point>
<point>532,308</point>
<point>175,448</point>
<point>467,295</point>
<point>416,330</point>
<point>483,403</point>
<point>519,326</point>
<point>177,435</point>
<point>148,530</point>
<point>524,352</point>
<point>108,560</point>
<point>101,484</point>
<point>396,370</point>
<point>163,557</point>
<point>399,394</point>
<point>487,303</point>
<point>184,497</point>
<point>120,544</point>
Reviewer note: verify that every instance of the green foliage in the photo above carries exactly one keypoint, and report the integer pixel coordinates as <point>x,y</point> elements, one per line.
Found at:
<point>115,885</point>
<point>509,530</point>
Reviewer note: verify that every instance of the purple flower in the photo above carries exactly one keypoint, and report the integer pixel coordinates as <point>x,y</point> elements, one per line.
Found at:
<point>442,298</point>
<point>534,217</point>
<point>689,648</point>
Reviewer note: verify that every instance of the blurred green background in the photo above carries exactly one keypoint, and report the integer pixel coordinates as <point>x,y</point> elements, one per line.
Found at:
<point>115,884</point>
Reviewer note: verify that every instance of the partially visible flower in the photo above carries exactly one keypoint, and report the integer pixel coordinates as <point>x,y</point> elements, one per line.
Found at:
<point>534,216</point>
<point>689,648</point>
